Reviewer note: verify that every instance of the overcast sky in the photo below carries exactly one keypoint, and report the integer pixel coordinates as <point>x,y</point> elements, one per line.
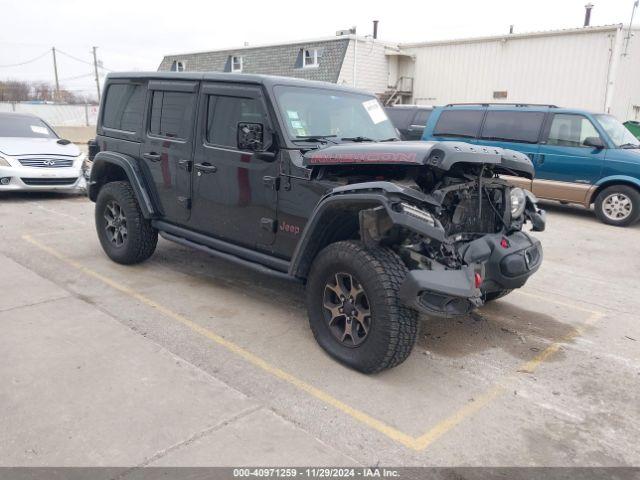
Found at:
<point>135,34</point>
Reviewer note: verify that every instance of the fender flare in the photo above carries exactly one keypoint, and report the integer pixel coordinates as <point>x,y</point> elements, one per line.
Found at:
<point>133,173</point>
<point>612,180</point>
<point>356,198</point>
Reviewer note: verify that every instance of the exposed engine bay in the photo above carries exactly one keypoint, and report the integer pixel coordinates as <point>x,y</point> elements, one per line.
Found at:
<point>453,220</point>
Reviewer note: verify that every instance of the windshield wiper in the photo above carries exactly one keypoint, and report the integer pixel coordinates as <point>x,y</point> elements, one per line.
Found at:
<point>392,139</point>
<point>629,145</point>
<point>318,138</point>
<point>358,139</point>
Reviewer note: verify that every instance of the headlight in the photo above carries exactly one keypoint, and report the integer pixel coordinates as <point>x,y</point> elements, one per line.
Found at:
<point>4,162</point>
<point>518,199</point>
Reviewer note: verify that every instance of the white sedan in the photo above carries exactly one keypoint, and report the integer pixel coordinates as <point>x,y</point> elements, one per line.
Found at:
<point>33,157</point>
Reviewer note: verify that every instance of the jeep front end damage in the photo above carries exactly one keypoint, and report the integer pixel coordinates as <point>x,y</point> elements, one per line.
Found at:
<point>459,250</point>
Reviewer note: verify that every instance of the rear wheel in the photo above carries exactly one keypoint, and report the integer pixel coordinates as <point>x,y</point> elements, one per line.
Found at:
<point>125,235</point>
<point>618,205</point>
<point>354,310</point>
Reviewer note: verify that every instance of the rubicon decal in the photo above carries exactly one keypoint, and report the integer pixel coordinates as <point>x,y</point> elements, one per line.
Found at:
<point>364,157</point>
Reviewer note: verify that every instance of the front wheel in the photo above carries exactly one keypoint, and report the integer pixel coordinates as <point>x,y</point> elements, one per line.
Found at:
<point>125,235</point>
<point>354,310</point>
<point>618,205</point>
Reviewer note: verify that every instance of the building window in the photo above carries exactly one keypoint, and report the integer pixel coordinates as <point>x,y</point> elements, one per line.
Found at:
<point>177,66</point>
<point>310,58</point>
<point>236,64</point>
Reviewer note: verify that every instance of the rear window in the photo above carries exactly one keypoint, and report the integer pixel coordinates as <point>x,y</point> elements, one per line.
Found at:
<point>123,107</point>
<point>512,126</point>
<point>172,114</point>
<point>459,123</point>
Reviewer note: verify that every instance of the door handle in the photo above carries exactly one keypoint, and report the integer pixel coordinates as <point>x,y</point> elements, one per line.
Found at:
<point>540,159</point>
<point>205,168</point>
<point>151,156</point>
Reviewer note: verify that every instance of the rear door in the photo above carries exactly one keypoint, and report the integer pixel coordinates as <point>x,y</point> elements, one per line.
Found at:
<point>514,130</point>
<point>565,167</point>
<point>235,191</point>
<point>167,150</point>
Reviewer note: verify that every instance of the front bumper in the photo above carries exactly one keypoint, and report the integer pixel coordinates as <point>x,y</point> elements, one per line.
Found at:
<point>506,263</point>
<point>69,179</point>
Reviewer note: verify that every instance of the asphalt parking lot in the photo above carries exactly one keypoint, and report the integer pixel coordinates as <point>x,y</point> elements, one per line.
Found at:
<point>188,360</point>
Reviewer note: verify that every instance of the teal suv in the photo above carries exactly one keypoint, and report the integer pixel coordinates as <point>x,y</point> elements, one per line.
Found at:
<point>579,157</point>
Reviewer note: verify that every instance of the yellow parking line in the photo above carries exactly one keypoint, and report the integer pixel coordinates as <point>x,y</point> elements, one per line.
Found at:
<point>362,417</point>
<point>414,443</point>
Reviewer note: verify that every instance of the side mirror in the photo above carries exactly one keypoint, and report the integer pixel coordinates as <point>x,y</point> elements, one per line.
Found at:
<point>595,142</point>
<point>250,136</point>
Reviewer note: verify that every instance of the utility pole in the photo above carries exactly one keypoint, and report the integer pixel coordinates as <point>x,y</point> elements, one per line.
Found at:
<point>55,72</point>
<point>628,37</point>
<point>95,68</point>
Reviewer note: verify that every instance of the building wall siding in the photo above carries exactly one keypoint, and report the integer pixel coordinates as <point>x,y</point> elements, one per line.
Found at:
<point>568,70</point>
<point>626,94</point>
<point>372,68</point>
<point>270,60</point>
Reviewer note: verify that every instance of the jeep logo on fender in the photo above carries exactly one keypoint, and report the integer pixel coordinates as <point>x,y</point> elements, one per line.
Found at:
<point>372,157</point>
<point>287,227</point>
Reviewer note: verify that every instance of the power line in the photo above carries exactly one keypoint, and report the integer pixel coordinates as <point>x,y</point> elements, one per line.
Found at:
<point>74,58</point>
<point>76,77</point>
<point>28,61</point>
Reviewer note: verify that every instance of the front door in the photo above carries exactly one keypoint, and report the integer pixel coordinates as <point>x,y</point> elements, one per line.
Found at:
<point>565,167</point>
<point>235,191</point>
<point>167,151</point>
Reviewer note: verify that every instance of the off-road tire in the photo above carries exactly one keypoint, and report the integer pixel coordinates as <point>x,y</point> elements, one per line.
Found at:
<point>631,193</point>
<point>141,239</point>
<point>491,296</point>
<point>393,327</point>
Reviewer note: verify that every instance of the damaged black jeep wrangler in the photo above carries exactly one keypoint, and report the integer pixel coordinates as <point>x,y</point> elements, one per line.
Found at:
<point>308,181</point>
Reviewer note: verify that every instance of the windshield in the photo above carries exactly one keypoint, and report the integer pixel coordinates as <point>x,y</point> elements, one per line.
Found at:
<point>316,113</point>
<point>16,126</point>
<point>617,132</point>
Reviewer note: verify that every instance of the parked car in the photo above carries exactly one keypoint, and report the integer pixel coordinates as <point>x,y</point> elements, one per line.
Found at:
<point>410,120</point>
<point>633,126</point>
<point>34,157</point>
<point>307,181</point>
<point>579,157</point>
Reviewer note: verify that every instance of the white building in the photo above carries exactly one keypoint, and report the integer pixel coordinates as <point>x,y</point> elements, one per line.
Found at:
<point>595,68</point>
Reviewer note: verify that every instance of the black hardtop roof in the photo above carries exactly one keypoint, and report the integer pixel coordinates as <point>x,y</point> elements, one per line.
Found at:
<point>266,80</point>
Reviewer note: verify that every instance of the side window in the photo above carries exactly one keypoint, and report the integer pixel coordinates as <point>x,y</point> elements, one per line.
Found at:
<point>512,126</point>
<point>223,115</point>
<point>172,114</point>
<point>570,130</point>
<point>421,117</point>
<point>459,123</point>
<point>123,107</point>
